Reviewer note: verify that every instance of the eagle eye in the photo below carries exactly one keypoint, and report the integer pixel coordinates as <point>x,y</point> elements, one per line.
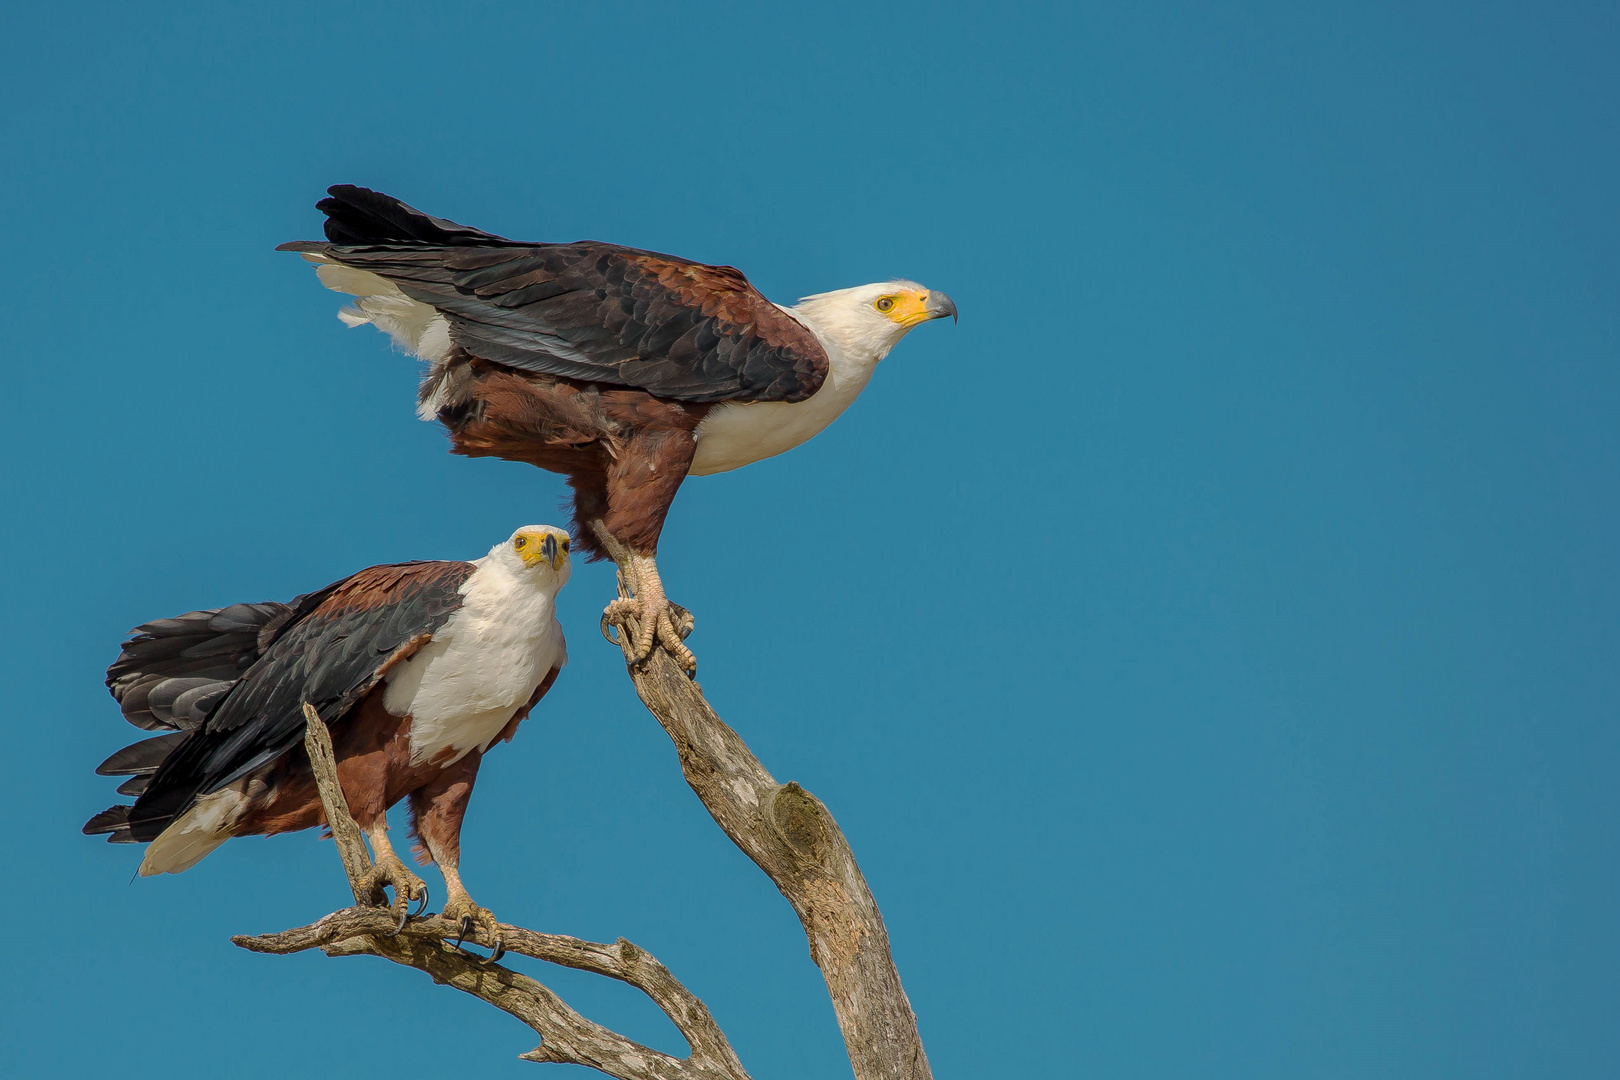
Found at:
<point>885,303</point>
<point>520,541</point>
<point>565,545</point>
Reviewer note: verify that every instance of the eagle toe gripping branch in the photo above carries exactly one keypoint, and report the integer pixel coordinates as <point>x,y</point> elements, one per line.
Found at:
<point>568,1037</point>
<point>651,619</point>
<point>470,919</point>
<point>642,612</point>
<point>389,872</point>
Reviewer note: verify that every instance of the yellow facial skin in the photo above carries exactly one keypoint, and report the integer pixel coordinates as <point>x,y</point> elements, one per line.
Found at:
<point>535,546</point>
<point>909,306</point>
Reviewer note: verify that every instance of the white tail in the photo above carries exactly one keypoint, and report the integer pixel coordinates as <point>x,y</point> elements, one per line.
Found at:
<point>194,834</point>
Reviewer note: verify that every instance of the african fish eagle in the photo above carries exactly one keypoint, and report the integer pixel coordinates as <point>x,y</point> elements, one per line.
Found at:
<point>417,668</point>
<point>625,369</point>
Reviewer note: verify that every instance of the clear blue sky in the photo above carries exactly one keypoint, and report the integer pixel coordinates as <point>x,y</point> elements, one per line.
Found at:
<point>1209,645</point>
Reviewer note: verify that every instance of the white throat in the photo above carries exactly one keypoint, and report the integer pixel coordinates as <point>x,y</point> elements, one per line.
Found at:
<point>482,665</point>
<point>735,434</point>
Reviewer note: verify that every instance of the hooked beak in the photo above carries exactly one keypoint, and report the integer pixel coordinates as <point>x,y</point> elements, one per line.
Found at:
<point>554,553</point>
<point>940,305</point>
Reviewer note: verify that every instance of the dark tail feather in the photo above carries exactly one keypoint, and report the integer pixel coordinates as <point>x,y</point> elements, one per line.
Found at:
<point>139,761</point>
<point>142,758</point>
<point>109,820</point>
<point>168,677</point>
<point>357,216</point>
<point>114,821</point>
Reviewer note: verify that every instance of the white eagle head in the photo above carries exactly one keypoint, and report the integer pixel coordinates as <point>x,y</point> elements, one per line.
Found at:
<point>865,322</point>
<point>536,553</point>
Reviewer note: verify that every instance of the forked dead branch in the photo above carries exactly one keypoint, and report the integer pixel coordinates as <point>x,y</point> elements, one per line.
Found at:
<point>422,943</point>
<point>793,838</point>
<point>784,829</point>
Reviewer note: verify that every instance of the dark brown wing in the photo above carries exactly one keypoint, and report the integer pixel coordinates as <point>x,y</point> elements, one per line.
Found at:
<point>588,311</point>
<point>331,657</point>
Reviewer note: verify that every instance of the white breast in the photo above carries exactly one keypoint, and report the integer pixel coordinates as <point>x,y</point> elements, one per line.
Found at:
<point>735,434</point>
<point>483,665</point>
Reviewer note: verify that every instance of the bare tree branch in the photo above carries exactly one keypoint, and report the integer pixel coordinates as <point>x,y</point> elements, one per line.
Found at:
<point>784,829</point>
<point>346,833</point>
<point>793,838</point>
<point>567,1037</point>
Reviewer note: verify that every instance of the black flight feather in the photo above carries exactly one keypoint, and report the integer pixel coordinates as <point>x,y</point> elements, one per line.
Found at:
<point>330,655</point>
<point>587,311</point>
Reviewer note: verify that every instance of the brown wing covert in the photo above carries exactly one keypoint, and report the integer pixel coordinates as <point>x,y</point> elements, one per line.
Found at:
<point>329,649</point>
<point>588,311</point>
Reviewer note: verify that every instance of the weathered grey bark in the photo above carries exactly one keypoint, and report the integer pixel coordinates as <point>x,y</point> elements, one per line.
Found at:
<point>346,834</point>
<point>784,829</point>
<point>567,1037</point>
<point>793,838</point>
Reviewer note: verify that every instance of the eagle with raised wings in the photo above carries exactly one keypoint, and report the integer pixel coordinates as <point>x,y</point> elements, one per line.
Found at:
<point>417,668</point>
<point>626,370</point>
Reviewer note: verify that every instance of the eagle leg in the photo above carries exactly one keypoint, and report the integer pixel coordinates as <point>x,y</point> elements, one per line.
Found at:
<point>390,872</point>
<point>642,610</point>
<point>438,809</point>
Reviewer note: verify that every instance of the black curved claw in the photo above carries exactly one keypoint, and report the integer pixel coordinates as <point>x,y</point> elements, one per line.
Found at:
<point>406,914</point>
<point>606,633</point>
<point>463,929</point>
<point>682,620</point>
